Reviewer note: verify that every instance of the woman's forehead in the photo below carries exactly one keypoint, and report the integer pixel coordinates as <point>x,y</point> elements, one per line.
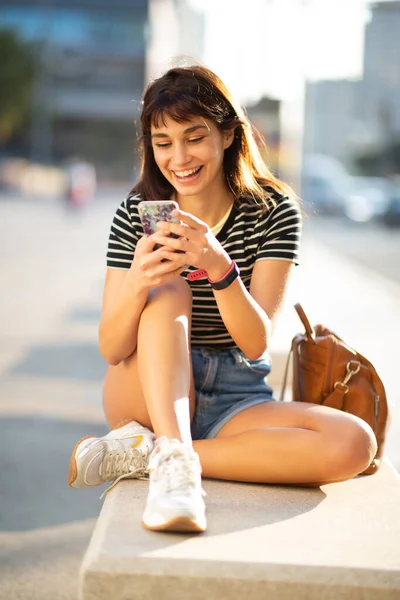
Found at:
<point>167,123</point>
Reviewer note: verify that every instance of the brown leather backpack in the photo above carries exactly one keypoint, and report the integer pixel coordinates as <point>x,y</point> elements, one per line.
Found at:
<point>327,371</point>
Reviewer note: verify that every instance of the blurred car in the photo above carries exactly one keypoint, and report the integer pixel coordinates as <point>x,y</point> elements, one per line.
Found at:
<point>391,216</point>
<point>368,198</point>
<point>325,184</point>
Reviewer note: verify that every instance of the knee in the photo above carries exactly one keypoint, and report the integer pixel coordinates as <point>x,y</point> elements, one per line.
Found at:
<point>176,292</point>
<point>351,450</point>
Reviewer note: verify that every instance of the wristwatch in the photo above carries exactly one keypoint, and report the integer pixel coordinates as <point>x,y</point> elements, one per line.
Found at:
<point>227,279</point>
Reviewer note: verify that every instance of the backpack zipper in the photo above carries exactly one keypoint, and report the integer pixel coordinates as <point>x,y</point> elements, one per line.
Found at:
<point>329,377</point>
<point>376,411</point>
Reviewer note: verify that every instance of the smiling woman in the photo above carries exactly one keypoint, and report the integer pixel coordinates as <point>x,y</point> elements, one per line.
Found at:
<point>190,158</point>
<point>186,333</point>
<point>196,97</point>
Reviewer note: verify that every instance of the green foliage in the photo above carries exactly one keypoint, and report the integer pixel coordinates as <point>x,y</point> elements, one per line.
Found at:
<point>16,81</point>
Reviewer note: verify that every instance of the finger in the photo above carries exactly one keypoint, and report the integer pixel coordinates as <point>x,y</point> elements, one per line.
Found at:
<point>179,230</point>
<point>174,259</point>
<point>146,244</point>
<point>179,270</point>
<point>190,220</point>
<point>172,255</point>
<point>181,244</point>
<point>163,279</point>
<point>164,268</point>
<point>142,242</point>
<point>152,260</point>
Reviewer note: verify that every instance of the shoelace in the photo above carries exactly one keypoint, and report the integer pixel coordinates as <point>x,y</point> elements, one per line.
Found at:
<point>126,464</point>
<point>175,468</point>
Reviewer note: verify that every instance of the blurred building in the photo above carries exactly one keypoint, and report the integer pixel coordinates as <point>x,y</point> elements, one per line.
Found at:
<point>381,82</point>
<point>176,35</point>
<point>346,118</point>
<point>90,75</point>
<point>93,60</point>
<point>265,116</point>
<point>331,118</point>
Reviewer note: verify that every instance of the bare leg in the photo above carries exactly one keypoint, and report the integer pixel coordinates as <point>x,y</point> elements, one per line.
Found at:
<point>299,444</point>
<point>152,386</point>
<point>283,443</point>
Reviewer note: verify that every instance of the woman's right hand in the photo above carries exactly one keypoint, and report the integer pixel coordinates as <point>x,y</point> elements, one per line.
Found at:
<point>147,268</point>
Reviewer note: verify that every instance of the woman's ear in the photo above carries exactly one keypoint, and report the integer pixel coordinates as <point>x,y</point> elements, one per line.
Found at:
<point>229,134</point>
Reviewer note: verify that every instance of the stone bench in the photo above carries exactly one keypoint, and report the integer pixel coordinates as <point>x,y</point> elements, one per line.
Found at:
<point>340,541</point>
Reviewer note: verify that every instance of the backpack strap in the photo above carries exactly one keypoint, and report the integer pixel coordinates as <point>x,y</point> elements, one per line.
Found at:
<point>310,331</point>
<point>336,398</point>
<point>285,376</point>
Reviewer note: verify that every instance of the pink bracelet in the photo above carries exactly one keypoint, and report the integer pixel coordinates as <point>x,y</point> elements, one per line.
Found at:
<point>232,266</point>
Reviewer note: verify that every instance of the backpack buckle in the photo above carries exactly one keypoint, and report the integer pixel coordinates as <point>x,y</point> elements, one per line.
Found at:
<point>352,367</point>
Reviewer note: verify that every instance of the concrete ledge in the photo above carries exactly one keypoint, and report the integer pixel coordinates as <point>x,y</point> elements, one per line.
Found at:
<point>340,541</point>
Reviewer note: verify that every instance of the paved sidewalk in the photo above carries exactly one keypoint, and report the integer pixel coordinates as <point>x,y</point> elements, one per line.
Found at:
<point>52,268</point>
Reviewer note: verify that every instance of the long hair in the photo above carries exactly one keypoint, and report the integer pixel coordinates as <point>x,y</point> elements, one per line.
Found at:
<point>184,92</point>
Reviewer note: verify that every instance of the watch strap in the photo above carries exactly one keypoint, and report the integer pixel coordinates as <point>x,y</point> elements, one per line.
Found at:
<point>227,279</point>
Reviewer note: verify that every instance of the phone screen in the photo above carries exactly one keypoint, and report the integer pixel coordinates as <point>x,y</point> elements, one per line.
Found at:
<point>152,211</point>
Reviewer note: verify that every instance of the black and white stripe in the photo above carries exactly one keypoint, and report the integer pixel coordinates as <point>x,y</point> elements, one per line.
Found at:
<point>250,234</point>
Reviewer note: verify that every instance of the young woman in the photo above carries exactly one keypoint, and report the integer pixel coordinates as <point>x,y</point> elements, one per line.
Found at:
<point>187,338</point>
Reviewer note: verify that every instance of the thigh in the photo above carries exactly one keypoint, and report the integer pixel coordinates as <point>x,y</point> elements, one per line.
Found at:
<point>303,415</point>
<point>123,396</point>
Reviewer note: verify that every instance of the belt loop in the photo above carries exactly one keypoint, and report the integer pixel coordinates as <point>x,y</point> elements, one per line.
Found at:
<point>237,356</point>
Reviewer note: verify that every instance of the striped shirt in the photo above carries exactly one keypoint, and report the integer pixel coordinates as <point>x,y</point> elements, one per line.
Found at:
<point>250,234</point>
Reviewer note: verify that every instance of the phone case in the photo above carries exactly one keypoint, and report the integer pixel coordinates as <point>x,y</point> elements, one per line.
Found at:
<point>152,211</point>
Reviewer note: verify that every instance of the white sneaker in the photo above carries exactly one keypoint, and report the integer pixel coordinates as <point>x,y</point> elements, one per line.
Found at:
<point>122,453</point>
<point>175,501</point>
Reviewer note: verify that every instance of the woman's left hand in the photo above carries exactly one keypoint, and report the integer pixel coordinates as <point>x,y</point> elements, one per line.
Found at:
<point>196,240</point>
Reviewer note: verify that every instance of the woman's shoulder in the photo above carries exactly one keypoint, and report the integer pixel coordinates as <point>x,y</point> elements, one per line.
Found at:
<point>126,214</point>
<point>131,202</point>
<point>274,201</point>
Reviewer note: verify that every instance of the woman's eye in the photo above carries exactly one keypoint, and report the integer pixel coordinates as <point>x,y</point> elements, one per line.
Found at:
<point>168,144</point>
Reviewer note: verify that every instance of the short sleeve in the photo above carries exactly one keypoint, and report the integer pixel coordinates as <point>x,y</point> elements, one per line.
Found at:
<point>281,232</point>
<point>124,235</point>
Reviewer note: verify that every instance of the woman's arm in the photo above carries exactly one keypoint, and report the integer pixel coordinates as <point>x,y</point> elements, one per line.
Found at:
<point>125,296</point>
<point>123,304</point>
<point>248,316</point>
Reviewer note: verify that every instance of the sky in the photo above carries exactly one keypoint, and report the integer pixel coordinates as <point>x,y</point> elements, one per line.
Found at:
<point>271,46</point>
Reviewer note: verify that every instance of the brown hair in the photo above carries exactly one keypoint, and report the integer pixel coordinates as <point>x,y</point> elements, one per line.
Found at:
<point>183,92</point>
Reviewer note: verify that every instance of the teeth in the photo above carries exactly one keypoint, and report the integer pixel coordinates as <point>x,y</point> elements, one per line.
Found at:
<point>186,173</point>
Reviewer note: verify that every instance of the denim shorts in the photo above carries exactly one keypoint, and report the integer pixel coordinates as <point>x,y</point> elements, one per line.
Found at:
<point>226,383</point>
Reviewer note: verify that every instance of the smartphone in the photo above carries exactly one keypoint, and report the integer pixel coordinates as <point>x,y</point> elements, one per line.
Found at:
<point>152,211</point>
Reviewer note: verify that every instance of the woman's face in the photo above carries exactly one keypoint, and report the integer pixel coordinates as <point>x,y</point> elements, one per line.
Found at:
<point>190,155</point>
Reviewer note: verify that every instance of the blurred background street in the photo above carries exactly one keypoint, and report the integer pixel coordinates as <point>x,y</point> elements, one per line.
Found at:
<point>321,81</point>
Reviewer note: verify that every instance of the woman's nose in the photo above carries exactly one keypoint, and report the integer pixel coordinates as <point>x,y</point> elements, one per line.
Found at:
<point>181,155</point>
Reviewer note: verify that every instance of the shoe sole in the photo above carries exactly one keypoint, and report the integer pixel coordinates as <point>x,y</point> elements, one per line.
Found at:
<point>73,469</point>
<point>179,525</point>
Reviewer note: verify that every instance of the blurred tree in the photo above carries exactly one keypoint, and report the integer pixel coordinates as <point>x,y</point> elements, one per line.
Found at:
<point>16,82</point>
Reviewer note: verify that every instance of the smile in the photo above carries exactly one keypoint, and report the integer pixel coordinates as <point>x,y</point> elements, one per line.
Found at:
<point>188,174</point>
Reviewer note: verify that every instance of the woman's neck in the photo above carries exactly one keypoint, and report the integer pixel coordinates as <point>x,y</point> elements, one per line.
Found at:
<point>211,212</point>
